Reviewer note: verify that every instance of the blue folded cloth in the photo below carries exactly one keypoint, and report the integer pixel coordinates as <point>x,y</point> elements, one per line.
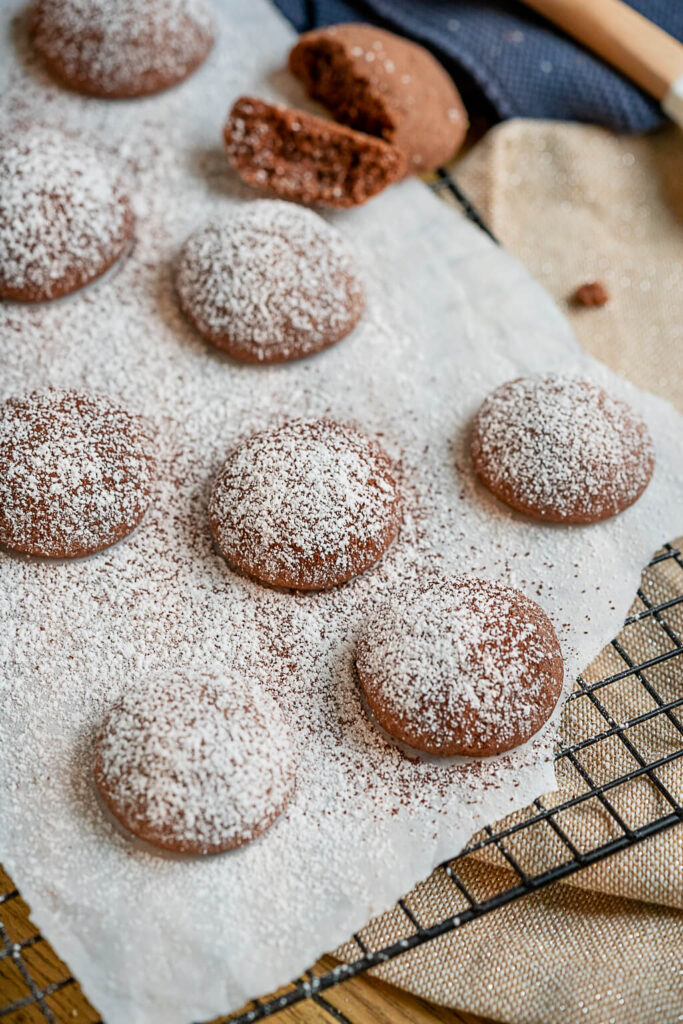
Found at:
<point>506,59</point>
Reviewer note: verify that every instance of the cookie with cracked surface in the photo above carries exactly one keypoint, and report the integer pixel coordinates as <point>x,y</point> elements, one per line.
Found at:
<point>75,473</point>
<point>308,505</point>
<point>121,48</point>
<point>561,449</point>
<point>65,218</point>
<point>466,667</point>
<point>194,764</point>
<point>272,282</point>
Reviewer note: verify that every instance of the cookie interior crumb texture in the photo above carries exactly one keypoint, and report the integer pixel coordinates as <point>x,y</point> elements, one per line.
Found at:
<point>385,85</point>
<point>64,216</point>
<point>269,283</point>
<point>306,158</point>
<point>121,48</point>
<point>465,666</point>
<point>309,505</point>
<point>75,473</point>
<point>560,448</point>
<point>195,764</point>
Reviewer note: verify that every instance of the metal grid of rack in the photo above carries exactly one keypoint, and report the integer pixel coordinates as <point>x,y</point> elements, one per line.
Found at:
<point>32,990</point>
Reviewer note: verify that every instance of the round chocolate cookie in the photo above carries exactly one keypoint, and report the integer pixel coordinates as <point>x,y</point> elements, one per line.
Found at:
<point>75,473</point>
<point>561,449</point>
<point>309,159</point>
<point>382,84</point>
<point>195,765</point>
<point>308,505</point>
<point>464,667</point>
<point>121,48</point>
<point>269,283</point>
<point>64,218</point>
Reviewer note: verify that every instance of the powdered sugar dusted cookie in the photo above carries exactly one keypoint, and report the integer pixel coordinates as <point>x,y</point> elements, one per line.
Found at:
<point>464,667</point>
<point>308,505</point>
<point>195,764</point>
<point>296,155</point>
<point>271,282</point>
<point>75,473</point>
<point>64,217</point>
<point>121,48</point>
<point>379,83</point>
<point>561,449</point>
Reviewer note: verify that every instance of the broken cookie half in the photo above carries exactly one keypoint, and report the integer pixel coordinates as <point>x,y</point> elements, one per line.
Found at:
<point>380,83</point>
<point>309,159</point>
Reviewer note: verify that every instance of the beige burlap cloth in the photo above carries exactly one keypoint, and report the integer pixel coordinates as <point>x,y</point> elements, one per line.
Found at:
<point>577,204</point>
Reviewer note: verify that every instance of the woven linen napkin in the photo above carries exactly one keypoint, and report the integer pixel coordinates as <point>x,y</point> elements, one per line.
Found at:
<point>577,204</point>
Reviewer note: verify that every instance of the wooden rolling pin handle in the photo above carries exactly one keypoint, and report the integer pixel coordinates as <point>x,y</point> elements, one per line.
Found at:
<point>643,51</point>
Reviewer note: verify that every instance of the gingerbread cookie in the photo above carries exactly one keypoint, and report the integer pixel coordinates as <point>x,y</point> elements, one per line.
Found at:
<point>305,158</point>
<point>64,217</point>
<point>308,505</point>
<point>382,84</point>
<point>195,764</point>
<point>465,667</point>
<point>269,283</point>
<point>75,473</point>
<point>561,449</point>
<point>121,48</point>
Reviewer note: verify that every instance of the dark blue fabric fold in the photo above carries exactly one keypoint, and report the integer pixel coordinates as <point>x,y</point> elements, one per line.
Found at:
<point>507,60</point>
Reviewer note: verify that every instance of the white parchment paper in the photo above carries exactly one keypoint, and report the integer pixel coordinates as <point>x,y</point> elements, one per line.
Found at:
<point>157,939</point>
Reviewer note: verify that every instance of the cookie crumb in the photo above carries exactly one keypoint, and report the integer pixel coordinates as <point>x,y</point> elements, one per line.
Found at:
<point>592,293</point>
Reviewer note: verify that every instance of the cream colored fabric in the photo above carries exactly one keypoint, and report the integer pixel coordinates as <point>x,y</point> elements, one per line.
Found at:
<point>576,203</point>
<point>605,946</point>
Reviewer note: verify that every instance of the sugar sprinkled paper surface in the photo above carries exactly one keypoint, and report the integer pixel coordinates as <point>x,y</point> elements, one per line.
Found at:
<point>449,317</point>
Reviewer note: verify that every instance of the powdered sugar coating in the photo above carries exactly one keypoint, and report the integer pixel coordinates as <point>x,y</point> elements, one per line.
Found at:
<point>467,666</point>
<point>561,448</point>
<point>271,282</point>
<point>195,764</point>
<point>308,505</point>
<point>75,473</point>
<point>64,218</point>
<point>121,48</point>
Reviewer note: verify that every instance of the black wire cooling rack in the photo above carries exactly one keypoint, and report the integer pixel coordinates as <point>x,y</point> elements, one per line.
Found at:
<point>32,986</point>
<point>571,858</point>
